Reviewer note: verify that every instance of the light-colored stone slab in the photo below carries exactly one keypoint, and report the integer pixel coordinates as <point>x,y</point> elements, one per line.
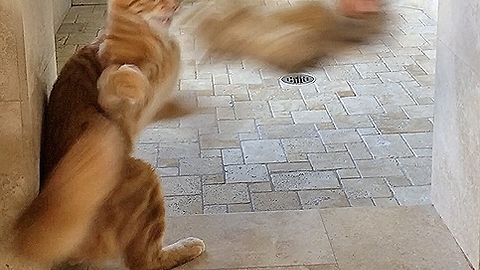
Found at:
<point>226,193</point>
<point>366,188</point>
<point>155,135</point>
<point>369,69</point>
<point>385,201</point>
<point>378,167</point>
<point>252,109</point>
<point>351,121</point>
<point>246,173</point>
<point>181,185</point>
<point>247,240</point>
<point>342,72</point>
<point>362,105</point>
<point>337,147</point>
<point>260,187</point>
<point>311,199</point>
<point>391,238</point>
<point>361,202</point>
<point>196,85</point>
<point>412,195</point>
<point>232,156</point>
<point>419,140</point>
<point>329,161</point>
<point>209,179</point>
<point>179,150</point>
<point>239,208</point>
<point>289,167</point>
<point>358,151</point>
<point>340,136</point>
<point>396,76</point>
<point>288,131</point>
<point>303,117</point>
<point>419,111</point>
<point>219,140</point>
<point>295,108</point>
<point>263,151</point>
<point>237,91</point>
<point>199,121</point>
<point>299,147</point>
<point>387,146</point>
<point>215,209</point>
<point>214,101</point>
<point>304,180</point>
<point>276,201</point>
<point>390,126</point>
<point>245,76</point>
<point>183,205</point>
<point>236,126</point>
<point>193,166</point>
<point>259,93</point>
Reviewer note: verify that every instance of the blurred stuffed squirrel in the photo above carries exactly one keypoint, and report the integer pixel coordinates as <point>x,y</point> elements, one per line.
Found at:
<point>290,38</point>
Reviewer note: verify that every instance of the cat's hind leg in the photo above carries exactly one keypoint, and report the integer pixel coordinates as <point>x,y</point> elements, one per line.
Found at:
<point>141,201</point>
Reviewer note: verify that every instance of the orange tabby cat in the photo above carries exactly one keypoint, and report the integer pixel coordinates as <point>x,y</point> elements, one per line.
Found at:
<point>291,38</point>
<point>97,203</point>
<point>141,59</point>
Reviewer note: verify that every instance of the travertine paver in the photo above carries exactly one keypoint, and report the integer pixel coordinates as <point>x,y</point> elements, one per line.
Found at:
<point>332,160</point>
<point>181,185</point>
<point>226,193</point>
<point>311,199</point>
<point>275,201</point>
<point>263,151</point>
<point>304,180</point>
<point>361,135</point>
<point>385,146</point>
<point>246,173</point>
<point>366,188</point>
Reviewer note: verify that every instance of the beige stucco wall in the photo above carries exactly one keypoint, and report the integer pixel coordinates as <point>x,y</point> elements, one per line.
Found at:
<point>456,162</point>
<point>28,69</point>
<point>60,9</point>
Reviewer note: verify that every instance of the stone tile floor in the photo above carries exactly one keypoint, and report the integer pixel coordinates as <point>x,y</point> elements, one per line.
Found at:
<point>360,238</point>
<point>361,135</point>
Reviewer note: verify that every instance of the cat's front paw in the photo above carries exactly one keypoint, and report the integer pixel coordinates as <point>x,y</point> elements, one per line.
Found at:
<point>181,252</point>
<point>192,246</point>
<point>122,84</point>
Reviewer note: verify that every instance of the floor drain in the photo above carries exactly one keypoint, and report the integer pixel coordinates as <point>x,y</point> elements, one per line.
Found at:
<point>297,79</point>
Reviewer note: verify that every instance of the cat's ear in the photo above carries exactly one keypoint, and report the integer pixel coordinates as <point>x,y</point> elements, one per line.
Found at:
<point>122,84</point>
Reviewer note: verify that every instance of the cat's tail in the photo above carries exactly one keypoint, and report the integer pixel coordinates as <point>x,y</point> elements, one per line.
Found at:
<point>57,221</point>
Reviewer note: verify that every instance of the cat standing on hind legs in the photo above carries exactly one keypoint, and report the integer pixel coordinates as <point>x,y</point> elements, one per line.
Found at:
<point>97,203</point>
<point>137,45</point>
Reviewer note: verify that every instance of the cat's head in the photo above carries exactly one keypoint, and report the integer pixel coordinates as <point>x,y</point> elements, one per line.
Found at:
<point>154,11</point>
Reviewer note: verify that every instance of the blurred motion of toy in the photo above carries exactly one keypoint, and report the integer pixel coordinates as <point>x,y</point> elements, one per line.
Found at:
<point>290,38</point>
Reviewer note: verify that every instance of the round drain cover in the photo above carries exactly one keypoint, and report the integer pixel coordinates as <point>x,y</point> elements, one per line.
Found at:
<point>297,79</point>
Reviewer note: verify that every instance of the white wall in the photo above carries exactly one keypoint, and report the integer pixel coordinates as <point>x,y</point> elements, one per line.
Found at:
<point>456,145</point>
